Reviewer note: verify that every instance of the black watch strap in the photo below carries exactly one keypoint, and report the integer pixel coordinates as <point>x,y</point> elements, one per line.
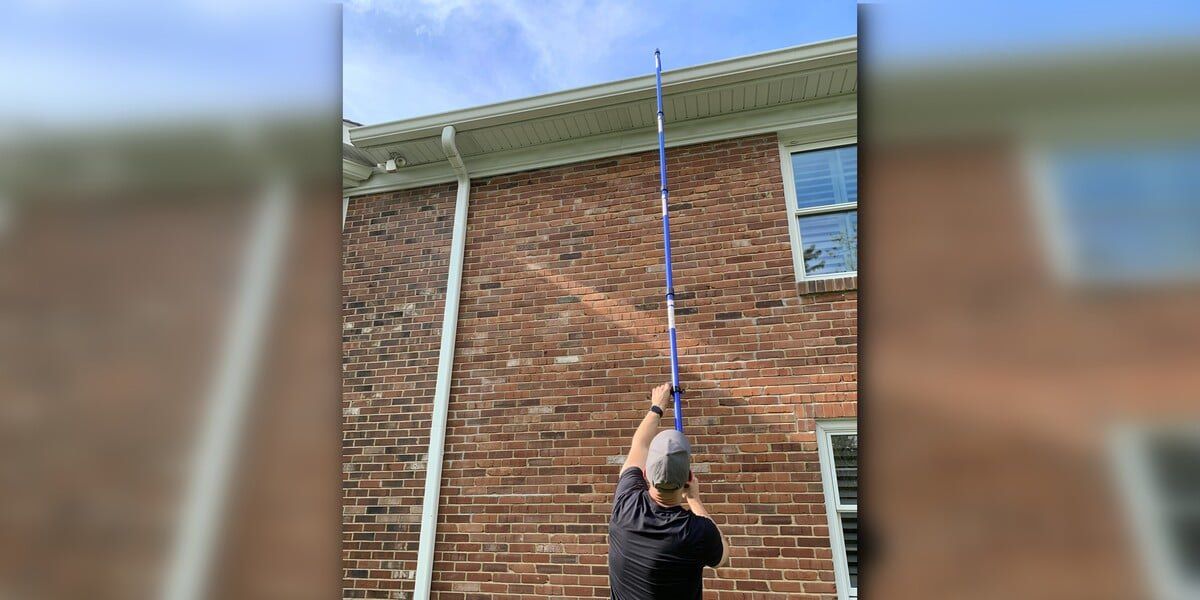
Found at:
<point>656,410</point>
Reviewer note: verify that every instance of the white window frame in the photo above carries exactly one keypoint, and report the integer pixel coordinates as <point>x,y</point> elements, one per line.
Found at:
<point>834,509</point>
<point>1144,504</point>
<point>1046,206</point>
<point>1042,141</point>
<point>788,147</point>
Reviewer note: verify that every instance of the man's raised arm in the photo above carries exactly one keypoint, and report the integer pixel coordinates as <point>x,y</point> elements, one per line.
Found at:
<point>646,431</point>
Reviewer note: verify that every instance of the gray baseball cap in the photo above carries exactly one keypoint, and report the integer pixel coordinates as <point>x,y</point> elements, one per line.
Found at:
<point>669,462</point>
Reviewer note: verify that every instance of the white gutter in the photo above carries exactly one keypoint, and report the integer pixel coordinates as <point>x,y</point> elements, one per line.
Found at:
<point>441,394</point>
<point>354,172</point>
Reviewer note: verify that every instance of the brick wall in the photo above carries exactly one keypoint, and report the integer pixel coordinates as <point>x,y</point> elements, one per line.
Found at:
<point>560,337</point>
<point>996,387</point>
<point>116,306</point>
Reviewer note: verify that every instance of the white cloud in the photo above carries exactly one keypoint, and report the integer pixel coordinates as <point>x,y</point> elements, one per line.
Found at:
<point>573,40</point>
<point>358,5</point>
<point>376,83</point>
<point>424,56</point>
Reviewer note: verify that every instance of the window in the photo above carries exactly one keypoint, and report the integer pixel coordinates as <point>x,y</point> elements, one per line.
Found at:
<point>837,447</point>
<point>1122,213</point>
<point>822,192</point>
<point>1160,472</point>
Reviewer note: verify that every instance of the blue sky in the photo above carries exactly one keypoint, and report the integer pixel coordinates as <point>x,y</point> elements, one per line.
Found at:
<point>407,58</point>
<point>72,63</point>
<point>410,58</point>
<point>922,30</point>
<point>128,60</point>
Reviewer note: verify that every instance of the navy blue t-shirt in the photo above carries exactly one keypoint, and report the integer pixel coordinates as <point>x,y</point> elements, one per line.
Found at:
<point>656,552</point>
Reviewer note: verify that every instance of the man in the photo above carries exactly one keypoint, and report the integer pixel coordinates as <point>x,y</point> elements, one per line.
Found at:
<point>656,547</point>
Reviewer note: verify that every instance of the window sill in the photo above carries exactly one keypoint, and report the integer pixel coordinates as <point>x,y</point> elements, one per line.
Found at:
<point>829,284</point>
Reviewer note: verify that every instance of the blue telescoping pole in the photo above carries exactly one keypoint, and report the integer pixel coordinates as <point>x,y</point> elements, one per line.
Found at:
<point>662,171</point>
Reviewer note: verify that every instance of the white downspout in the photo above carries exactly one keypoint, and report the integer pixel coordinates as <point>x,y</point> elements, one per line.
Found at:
<point>229,397</point>
<point>441,394</point>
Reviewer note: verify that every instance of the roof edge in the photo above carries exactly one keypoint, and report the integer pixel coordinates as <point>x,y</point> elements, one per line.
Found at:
<point>816,55</point>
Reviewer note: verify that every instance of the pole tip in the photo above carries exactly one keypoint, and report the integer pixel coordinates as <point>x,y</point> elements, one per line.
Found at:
<point>656,51</point>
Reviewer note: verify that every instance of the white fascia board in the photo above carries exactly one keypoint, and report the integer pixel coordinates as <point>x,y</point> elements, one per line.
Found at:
<point>789,60</point>
<point>820,116</point>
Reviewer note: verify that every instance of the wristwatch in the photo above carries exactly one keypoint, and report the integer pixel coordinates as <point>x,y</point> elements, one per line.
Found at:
<point>656,410</point>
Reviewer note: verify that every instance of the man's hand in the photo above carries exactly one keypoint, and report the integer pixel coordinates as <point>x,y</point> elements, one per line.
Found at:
<point>691,489</point>
<point>691,495</point>
<point>661,396</point>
